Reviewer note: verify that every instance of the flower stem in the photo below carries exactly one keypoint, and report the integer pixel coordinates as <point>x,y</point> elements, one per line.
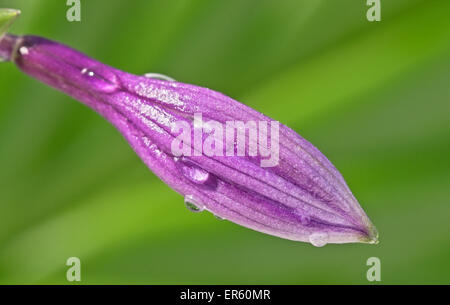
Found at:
<point>7,44</point>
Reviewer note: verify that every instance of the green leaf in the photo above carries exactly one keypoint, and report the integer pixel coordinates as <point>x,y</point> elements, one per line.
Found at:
<point>7,17</point>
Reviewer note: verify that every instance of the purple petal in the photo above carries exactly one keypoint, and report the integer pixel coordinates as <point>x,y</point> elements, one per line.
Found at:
<point>302,198</point>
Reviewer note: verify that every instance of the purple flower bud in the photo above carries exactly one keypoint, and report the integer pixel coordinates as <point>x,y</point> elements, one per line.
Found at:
<point>219,154</point>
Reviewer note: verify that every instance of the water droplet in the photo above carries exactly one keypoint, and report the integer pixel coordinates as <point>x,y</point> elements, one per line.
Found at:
<point>195,174</point>
<point>318,239</point>
<point>192,204</point>
<point>159,76</point>
<point>218,217</point>
<point>101,79</point>
<point>23,51</point>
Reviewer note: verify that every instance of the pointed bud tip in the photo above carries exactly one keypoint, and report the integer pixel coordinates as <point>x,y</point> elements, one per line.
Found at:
<point>372,236</point>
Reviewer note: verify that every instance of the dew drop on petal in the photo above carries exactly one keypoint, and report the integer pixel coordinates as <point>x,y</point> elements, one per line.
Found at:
<point>23,51</point>
<point>101,79</point>
<point>195,174</point>
<point>192,204</point>
<point>159,76</point>
<point>318,239</point>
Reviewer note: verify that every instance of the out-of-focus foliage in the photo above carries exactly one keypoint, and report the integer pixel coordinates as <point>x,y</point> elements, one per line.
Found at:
<point>374,97</point>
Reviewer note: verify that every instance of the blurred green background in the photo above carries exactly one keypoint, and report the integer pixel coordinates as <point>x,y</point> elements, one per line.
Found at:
<point>373,97</point>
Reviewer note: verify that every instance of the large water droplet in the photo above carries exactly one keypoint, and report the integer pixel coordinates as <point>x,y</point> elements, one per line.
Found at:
<point>101,79</point>
<point>192,204</point>
<point>318,239</point>
<point>191,171</point>
<point>195,174</point>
